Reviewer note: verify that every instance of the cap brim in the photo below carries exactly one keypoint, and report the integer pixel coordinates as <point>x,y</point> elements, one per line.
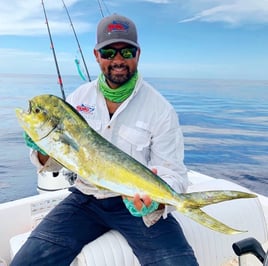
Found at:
<point>108,42</point>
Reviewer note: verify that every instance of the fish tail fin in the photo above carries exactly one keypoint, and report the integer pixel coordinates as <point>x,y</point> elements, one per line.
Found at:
<point>204,219</point>
<point>204,198</point>
<point>192,203</point>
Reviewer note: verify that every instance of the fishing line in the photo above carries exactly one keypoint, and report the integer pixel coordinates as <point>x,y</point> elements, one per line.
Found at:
<point>102,4</point>
<point>54,54</point>
<point>101,9</point>
<point>77,41</point>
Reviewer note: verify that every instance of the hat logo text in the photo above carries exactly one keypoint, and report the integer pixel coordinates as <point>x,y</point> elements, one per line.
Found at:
<point>117,26</point>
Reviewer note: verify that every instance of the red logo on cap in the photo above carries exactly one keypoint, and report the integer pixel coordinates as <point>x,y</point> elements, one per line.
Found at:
<point>117,26</point>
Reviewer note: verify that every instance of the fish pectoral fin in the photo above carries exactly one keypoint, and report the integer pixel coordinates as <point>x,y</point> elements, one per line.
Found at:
<point>204,219</point>
<point>204,198</point>
<point>65,139</point>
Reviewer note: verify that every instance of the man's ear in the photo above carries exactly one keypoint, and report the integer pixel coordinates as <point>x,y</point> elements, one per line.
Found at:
<point>96,53</point>
<point>138,54</point>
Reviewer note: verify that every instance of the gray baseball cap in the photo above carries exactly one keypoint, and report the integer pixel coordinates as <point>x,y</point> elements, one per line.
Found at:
<point>116,28</point>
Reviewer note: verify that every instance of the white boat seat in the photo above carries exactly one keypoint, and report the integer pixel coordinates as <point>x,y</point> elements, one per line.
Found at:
<point>109,249</point>
<point>211,248</point>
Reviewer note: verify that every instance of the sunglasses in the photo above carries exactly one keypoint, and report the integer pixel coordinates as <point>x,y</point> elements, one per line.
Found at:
<point>126,53</point>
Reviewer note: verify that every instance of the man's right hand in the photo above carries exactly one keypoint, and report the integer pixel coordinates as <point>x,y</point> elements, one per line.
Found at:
<point>42,155</point>
<point>30,143</point>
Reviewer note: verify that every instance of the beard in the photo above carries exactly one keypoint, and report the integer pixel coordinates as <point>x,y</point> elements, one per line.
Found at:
<point>118,78</point>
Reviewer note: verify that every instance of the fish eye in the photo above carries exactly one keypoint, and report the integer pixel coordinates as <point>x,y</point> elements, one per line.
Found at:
<point>37,110</point>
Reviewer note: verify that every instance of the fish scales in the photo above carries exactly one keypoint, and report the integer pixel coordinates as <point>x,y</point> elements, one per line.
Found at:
<point>65,135</point>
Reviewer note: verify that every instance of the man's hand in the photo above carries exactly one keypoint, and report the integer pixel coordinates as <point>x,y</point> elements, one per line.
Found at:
<point>141,205</point>
<point>30,143</point>
<point>42,156</point>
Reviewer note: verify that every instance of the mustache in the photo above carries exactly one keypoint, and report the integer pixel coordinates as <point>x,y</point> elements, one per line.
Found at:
<point>114,66</point>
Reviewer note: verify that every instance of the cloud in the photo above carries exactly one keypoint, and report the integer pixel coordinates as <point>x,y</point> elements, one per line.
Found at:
<point>27,18</point>
<point>235,13</point>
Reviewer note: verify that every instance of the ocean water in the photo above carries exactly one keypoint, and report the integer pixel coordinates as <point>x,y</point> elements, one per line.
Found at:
<point>225,125</point>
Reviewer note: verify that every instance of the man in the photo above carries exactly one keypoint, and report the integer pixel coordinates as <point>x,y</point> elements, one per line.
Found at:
<point>128,112</point>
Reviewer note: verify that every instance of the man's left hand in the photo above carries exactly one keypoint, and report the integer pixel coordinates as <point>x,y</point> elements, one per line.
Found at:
<point>141,205</point>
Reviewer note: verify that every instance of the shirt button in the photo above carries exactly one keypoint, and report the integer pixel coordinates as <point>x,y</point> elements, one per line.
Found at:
<point>109,127</point>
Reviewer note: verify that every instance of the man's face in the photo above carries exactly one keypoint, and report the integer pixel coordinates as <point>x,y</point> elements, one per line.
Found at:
<point>117,69</point>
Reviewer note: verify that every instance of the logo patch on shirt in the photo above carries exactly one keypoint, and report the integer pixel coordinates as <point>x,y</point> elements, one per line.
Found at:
<point>86,109</point>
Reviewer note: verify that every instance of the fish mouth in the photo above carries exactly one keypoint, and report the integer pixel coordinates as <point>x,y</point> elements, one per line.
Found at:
<point>33,110</point>
<point>20,111</point>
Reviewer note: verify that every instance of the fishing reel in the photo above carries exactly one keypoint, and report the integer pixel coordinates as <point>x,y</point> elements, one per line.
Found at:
<point>69,176</point>
<point>53,181</point>
<point>251,246</point>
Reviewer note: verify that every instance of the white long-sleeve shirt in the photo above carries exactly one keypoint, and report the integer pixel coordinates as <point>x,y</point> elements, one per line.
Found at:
<point>145,126</point>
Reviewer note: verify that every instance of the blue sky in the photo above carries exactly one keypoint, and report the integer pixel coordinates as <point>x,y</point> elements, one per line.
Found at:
<point>208,39</point>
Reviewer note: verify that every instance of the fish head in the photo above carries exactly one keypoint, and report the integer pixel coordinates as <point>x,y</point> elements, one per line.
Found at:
<point>41,118</point>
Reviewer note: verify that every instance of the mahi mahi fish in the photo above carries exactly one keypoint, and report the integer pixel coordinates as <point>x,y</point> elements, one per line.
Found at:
<point>57,128</point>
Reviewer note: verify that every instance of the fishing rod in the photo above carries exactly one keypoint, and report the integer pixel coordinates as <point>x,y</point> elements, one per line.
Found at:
<point>77,41</point>
<point>54,53</point>
<point>100,7</point>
